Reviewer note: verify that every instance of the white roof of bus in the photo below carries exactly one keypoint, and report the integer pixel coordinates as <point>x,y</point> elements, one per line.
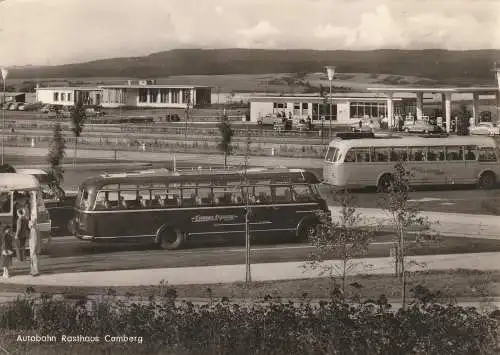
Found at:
<point>412,141</point>
<point>15,181</point>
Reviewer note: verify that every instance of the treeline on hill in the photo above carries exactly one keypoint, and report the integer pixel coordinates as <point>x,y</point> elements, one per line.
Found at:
<point>452,66</point>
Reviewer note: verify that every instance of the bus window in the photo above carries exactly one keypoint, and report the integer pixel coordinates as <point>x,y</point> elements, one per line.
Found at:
<point>487,154</point>
<point>204,196</point>
<point>106,200</point>
<point>236,192</point>
<point>189,197</point>
<point>435,154</point>
<point>5,202</point>
<point>222,196</point>
<point>470,152</point>
<point>362,155</point>
<point>144,198</point>
<point>259,194</point>
<point>128,199</point>
<point>302,193</point>
<point>454,153</point>
<point>417,153</point>
<point>331,154</point>
<point>281,194</point>
<point>399,154</point>
<point>380,155</point>
<point>83,198</point>
<point>350,157</point>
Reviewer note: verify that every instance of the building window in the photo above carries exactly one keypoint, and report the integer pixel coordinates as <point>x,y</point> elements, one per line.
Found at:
<point>186,96</point>
<point>69,97</point>
<point>63,97</point>
<point>368,109</point>
<point>153,95</point>
<point>296,109</point>
<point>56,96</point>
<point>175,96</point>
<point>143,95</point>
<point>163,95</point>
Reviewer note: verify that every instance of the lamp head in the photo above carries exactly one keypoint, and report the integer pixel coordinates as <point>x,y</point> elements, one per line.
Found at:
<point>330,71</point>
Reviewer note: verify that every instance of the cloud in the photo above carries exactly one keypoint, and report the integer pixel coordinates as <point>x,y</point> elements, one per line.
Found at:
<point>261,35</point>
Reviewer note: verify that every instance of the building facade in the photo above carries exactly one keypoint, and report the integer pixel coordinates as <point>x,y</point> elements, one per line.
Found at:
<point>342,109</point>
<point>133,95</point>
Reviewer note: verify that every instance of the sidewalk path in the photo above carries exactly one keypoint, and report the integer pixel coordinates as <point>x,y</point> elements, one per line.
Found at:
<point>445,224</point>
<point>260,272</point>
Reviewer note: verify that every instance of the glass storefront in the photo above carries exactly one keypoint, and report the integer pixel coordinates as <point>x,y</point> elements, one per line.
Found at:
<point>362,109</point>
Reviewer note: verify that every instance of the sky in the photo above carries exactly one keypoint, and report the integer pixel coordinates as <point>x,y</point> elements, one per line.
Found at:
<point>52,32</point>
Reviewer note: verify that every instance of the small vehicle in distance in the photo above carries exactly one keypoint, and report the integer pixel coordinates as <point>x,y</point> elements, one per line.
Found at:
<point>269,119</point>
<point>485,129</point>
<point>422,127</point>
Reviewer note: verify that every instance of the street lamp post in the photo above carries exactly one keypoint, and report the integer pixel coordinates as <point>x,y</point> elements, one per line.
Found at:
<point>5,72</point>
<point>497,74</point>
<point>331,72</point>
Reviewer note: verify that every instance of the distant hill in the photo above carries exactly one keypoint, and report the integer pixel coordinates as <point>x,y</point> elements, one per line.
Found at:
<point>453,67</point>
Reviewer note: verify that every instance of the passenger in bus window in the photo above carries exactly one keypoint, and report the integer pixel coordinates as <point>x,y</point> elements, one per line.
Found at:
<point>350,157</point>
<point>471,154</point>
<point>123,203</point>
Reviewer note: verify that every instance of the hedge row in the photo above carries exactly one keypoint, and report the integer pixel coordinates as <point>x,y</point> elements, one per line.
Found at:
<point>271,327</point>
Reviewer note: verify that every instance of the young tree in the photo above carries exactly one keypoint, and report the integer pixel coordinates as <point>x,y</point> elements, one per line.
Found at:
<point>226,136</point>
<point>463,121</point>
<point>55,156</point>
<point>403,217</point>
<point>77,121</point>
<point>344,239</point>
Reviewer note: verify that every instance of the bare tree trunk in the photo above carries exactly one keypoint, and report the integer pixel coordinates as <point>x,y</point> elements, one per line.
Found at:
<point>402,269</point>
<point>344,276</point>
<point>225,159</point>
<point>76,151</point>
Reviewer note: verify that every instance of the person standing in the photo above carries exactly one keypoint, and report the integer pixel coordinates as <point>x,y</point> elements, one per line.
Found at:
<point>22,233</point>
<point>34,237</point>
<point>6,246</point>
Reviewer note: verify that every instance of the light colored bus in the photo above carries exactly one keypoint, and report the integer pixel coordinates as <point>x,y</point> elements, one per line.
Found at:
<point>170,208</point>
<point>356,163</point>
<point>21,189</point>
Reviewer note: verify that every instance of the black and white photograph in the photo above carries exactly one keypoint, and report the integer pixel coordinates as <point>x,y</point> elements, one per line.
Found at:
<point>249,177</point>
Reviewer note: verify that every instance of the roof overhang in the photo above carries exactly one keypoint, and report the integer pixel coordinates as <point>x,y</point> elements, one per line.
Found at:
<point>436,90</point>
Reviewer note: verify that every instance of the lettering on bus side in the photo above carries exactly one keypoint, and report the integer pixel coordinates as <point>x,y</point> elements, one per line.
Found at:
<point>428,171</point>
<point>216,218</point>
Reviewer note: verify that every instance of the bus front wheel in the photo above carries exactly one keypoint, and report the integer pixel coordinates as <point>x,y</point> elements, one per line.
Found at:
<point>307,231</point>
<point>487,180</point>
<point>384,183</point>
<point>170,239</point>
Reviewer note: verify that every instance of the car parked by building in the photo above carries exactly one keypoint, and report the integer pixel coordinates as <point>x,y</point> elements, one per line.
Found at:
<point>485,129</point>
<point>421,127</point>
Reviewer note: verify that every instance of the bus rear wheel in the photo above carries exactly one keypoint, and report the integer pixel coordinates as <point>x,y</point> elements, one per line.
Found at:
<point>307,231</point>
<point>384,183</point>
<point>170,239</point>
<point>487,180</point>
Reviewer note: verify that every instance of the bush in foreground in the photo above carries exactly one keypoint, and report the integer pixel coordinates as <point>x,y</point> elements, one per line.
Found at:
<point>270,327</point>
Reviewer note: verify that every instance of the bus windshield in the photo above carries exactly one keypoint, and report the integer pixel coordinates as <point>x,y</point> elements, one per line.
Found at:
<point>332,155</point>
<point>83,198</point>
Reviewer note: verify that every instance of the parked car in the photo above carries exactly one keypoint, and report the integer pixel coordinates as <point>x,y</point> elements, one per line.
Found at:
<point>12,106</point>
<point>485,128</point>
<point>367,125</point>
<point>45,109</point>
<point>269,119</point>
<point>422,127</point>
<point>21,106</point>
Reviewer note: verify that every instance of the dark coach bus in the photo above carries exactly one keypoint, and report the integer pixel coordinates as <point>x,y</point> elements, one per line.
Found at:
<point>170,208</point>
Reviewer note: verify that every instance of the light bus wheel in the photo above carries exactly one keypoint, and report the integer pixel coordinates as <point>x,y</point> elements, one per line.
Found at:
<point>384,183</point>
<point>170,239</point>
<point>487,180</point>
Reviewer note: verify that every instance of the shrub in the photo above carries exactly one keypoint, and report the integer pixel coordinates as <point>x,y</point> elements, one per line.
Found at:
<point>271,327</point>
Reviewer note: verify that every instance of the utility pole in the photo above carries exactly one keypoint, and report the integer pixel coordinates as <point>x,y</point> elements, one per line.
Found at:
<point>246,189</point>
<point>331,72</point>
<point>186,123</point>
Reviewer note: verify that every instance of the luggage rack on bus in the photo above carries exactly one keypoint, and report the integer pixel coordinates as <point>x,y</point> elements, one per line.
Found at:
<point>434,135</point>
<point>361,135</point>
<point>236,169</point>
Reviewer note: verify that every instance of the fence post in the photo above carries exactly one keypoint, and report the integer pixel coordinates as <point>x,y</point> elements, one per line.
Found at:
<point>175,164</point>
<point>32,142</point>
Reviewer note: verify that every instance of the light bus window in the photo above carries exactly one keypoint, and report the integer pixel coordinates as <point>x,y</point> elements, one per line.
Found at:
<point>435,154</point>
<point>350,157</point>
<point>380,155</point>
<point>331,154</point>
<point>5,202</point>
<point>302,193</point>
<point>259,194</point>
<point>222,196</point>
<point>160,196</point>
<point>281,194</point>
<point>362,155</point>
<point>454,153</point>
<point>399,154</point>
<point>470,152</point>
<point>417,153</point>
<point>487,154</point>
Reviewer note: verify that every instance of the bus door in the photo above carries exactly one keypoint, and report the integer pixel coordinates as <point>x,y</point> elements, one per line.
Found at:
<point>44,223</point>
<point>109,221</point>
<point>422,171</point>
<point>264,214</point>
<point>6,208</point>
<point>472,168</point>
<point>455,166</point>
<point>434,169</point>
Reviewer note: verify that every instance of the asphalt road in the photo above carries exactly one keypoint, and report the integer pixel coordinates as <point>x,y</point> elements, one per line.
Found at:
<point>69,254</point>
